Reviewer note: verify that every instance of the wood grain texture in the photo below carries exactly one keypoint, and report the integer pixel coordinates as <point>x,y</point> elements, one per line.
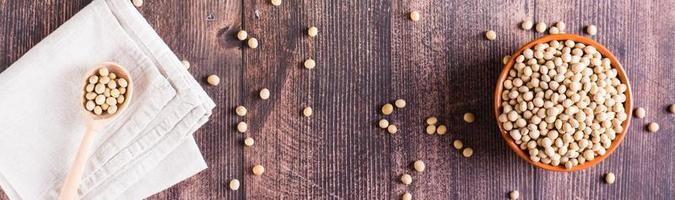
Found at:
<point>202,32</point>
<point>369,53</point>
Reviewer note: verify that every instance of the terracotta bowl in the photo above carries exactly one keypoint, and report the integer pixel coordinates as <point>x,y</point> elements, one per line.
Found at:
<point>615,64</point>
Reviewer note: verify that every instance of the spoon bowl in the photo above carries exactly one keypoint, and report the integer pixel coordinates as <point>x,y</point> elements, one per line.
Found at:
<point>621,74</point>
<point>121,72</point>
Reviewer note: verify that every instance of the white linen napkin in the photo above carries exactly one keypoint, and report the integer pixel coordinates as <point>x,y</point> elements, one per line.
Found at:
<point>146,149</point>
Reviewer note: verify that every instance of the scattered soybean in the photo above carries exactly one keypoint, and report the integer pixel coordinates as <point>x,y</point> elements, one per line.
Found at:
<point>415,16</point>
<point>526,24</point>
<point>234,184</point>
<point>312,31</point>
<point>419,166</point>
<point>540,27</point>
<point>213,80</point>
<point>242,35</point>
<point>258,170</point>
<point>252,43</point>
<point>491,35</point>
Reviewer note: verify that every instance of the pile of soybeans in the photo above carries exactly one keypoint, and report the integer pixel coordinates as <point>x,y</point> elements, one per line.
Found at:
<point>563,103</point>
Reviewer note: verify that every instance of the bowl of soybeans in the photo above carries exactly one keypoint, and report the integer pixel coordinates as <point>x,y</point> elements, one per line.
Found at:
<point>563,102</point>
<point>107,90</point>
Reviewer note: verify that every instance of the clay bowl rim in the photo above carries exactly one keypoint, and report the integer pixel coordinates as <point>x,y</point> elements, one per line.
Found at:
<point>620,73</point>
<point>121,72</point>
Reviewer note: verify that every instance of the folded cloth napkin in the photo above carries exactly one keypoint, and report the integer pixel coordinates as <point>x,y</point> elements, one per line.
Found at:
<point>146,149</point>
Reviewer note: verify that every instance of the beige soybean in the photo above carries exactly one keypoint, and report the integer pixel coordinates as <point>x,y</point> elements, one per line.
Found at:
<point>99,88</point>
<point>106,92</point>
<point>264,93</point>
<point>514,195</point>
<point>469,117</point>
<point>120,99</point>
<point>90,105</point>
<point>672,108</point>
<point>653,127</point>
<point>185,63</point>
<point>100,99</point>
<point>112,84</point>
<point>112,109</point>
<point>610,178</point>
<point>387,109</point>
<point>392,129</point>
<point>112,76</point>
<point>307,111</point>
<point>553,30</point>
<point>309,63</point>
<point>406,179</point>
<point>258,170</point>
<point>137,3</point>
<point>252,43</point>
<point>93,79</point>
<point>98,110</point>
<point>242,35</point>
<point>213,80</point>
<point>526,25</point>
<point>640,112</point>
<point>103,72</point>
<point>242,127</point>
<point>122,82</point>
<point>591,29</point>
<point>490,35</point>
<point>467,152</point>
<point>249,141</point>
<point>104,80</point>
<point>419,166</point>
<point>240,111</point>
<point>89,87</point>
<point>234,184</point>
<point>442,130</point>
<point>432,120</point>
<point>312,31</point>
<point>431,129</point>
<point>383,123</point>
<point>400,103</point>
<point>406,196</point>
<point>90,96</point>
<point>111,101</point>
<point>540,27</point>
<point>458,144</point>
<point>115,93</point>
<point>275,2</point>
<point>415,16</point>
<point>561,26</point>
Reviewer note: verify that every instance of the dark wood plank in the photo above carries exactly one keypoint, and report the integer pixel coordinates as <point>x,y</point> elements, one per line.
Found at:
<point>336,153</point>
<point>446,68</point>
<point>25,23</point>
<point>353,52</point>
<point>202,32</point>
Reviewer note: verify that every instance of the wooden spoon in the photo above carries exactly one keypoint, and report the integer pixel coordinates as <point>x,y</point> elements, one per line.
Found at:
<point>621,73</point>
<point>93,124</point>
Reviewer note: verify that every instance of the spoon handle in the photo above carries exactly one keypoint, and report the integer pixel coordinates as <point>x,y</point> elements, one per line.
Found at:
<point>72,182</point>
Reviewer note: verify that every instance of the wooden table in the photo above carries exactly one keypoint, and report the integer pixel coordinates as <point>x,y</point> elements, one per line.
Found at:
<point>369,53</point>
